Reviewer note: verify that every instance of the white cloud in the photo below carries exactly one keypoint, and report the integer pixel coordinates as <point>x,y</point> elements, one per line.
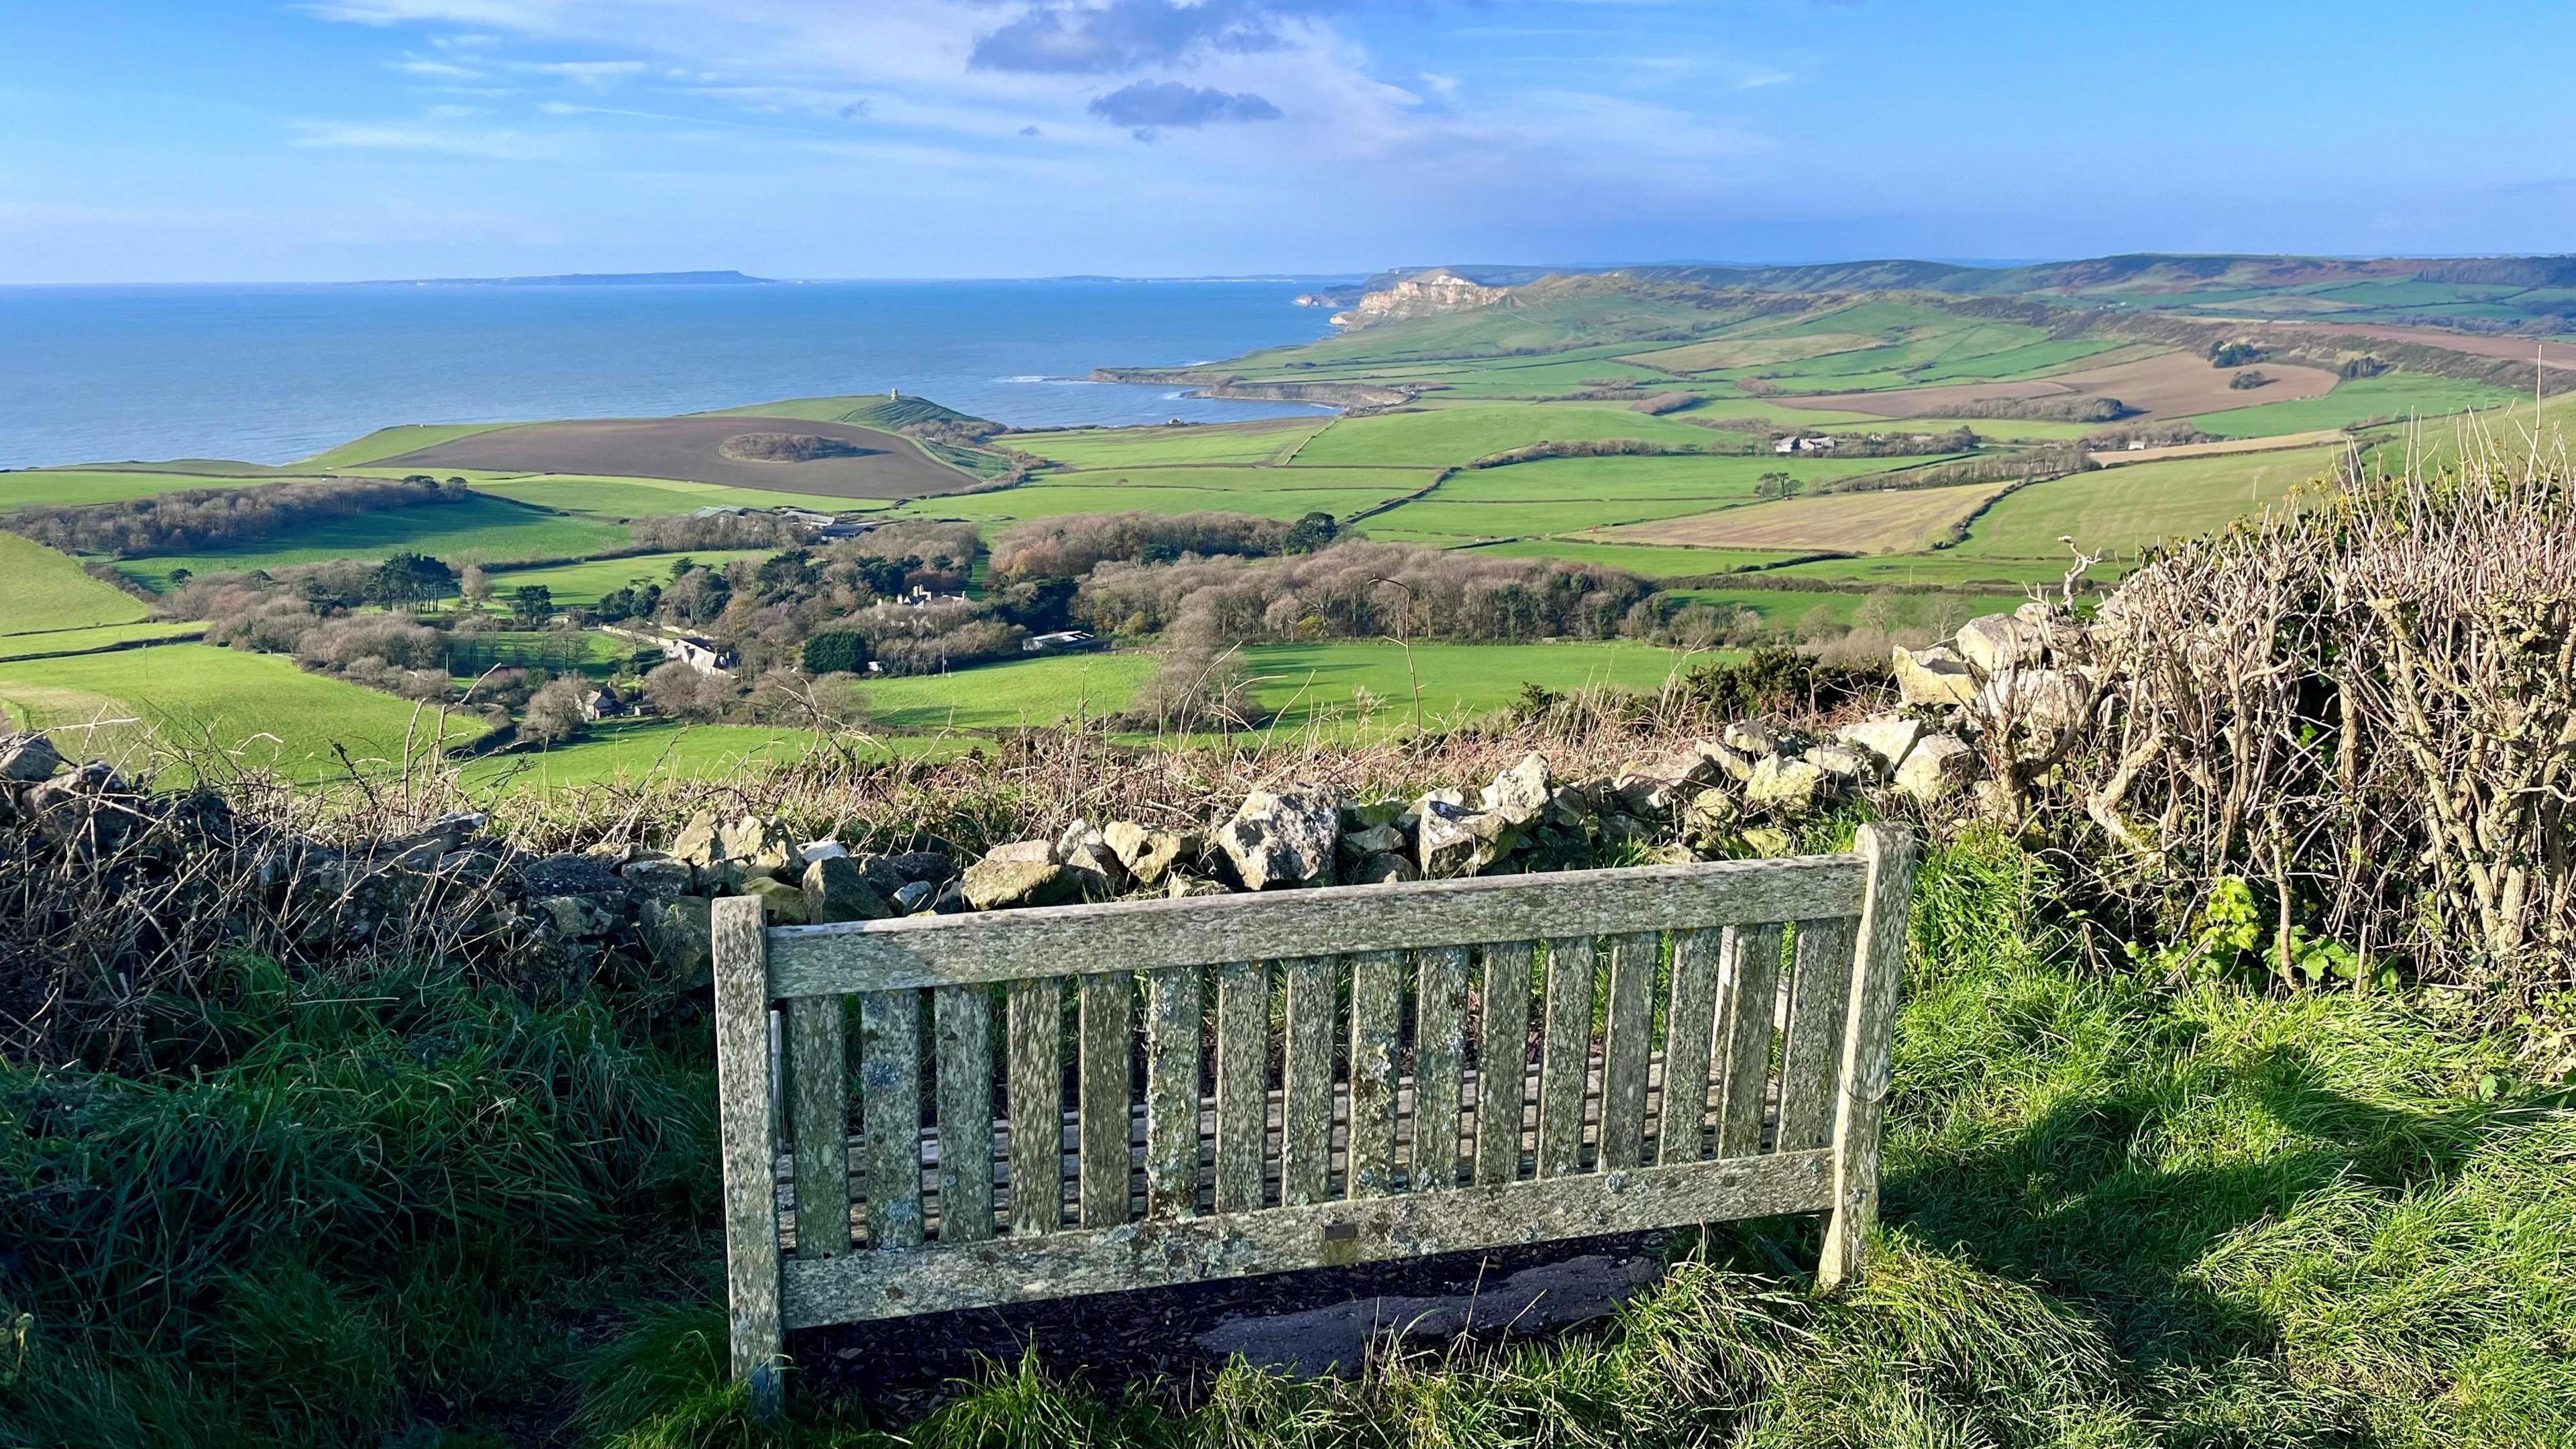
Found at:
<point>501,145</point>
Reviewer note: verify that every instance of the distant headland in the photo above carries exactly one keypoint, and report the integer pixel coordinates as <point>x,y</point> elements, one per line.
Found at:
<point>585,279</point>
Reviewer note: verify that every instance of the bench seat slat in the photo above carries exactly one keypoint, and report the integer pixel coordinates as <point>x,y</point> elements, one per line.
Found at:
<point>1174,1009</point>
<point>1502,1060</point>
<point>1628,1039</point>
<point>1819,993</point>
<point>890,1107</point>
<point>1439,1066</point>
<point>1108,1079</point>
<point>1242,1088</point>
<point>1206,931</point>
<point>1377,997</point>
<point>1565,1054</point>
<point>1037,1103</point>
<point>962,1024</point>
<point>1752,1005</point>
<point>1306,1138</point>
<point>1162,1253</point>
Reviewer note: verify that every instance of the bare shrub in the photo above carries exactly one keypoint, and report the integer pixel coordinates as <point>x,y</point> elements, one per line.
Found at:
<point>554,712</point>
<point>2366,706</point>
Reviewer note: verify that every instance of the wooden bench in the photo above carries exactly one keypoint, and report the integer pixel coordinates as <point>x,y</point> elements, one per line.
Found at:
<point>1520,1097</point>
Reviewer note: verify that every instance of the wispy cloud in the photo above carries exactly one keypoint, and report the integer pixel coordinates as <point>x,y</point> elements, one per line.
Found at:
<point>501,145</point>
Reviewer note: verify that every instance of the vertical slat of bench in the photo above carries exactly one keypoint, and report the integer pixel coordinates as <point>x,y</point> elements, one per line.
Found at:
<point>1242,1083</point>
<point>1108,1080</point>
<point>962,1031</point>
<point>1628,1046</point>
<point>1565,1054</point>
<point>743,1089</point>
<point>1377,998</point>
<point>1306,1140</point>
<point>1175,1007</point>
<point>1819,995</point>
<point>1502,1061</point>
<point>1036,1030</point>
<point>1752,987</point>
<point>818,1115</point>
<point>1867,1048</point>
<point>1439,1065</point>
<point>1688,1022</point>
<point>890,1112</point>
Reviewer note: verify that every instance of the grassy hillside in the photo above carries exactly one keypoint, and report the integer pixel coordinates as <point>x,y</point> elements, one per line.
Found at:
<point>257,709</point>
<point>41,589</point>
<point>479,530</point>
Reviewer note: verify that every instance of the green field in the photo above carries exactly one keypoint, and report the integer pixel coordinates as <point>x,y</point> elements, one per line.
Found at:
<point>41,589</point>
<point>1447,436</point>
<point>395,441</point>
<point>479,530</point>
<point>74,487</point>
<point>1652,563</point>
<point>258,709</point>
<point>646,497</point>
<point>583,583</point>
<point>2124,509</point>
<point>54,642</point>
<point>2395,395</point>
<point>1793,610</point>
<point>1051,500</point>
<point>1712,479</point>
<point>1269,440</point>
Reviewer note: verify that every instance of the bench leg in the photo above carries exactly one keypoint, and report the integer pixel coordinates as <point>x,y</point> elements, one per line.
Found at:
<point>744,1089</point>
<point>1868,1050</point>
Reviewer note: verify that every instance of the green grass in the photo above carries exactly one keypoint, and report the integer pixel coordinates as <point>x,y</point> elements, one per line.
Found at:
<point>585,582</point>
<point>609,497</point>
<point>86,641</point>
<point>1051,500</point>
<point>1266,440</point>
<point>41,589</point>
<point>1653,563</point>
<point>1441,436</point>
<point>1718,479</point>
<point>1442,516</point>
<point>2396,395</point>
<point>258,708</point>
<point>479,530</point>
<point>75,487</point>
<point>395,441</point>
<point>1793,609</point>
<point>1945,568</point>
<point>2123,509</point>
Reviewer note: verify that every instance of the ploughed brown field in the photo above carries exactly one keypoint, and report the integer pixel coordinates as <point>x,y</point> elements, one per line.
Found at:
<point>877,465</point>
<point>1892,521</point>
<point>2168,385</point>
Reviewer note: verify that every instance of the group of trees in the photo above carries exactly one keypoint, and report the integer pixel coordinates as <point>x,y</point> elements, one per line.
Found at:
<point>1359,590</point>
<point>191,519</point>
<point>718,530</point>
<point>1070,547</point>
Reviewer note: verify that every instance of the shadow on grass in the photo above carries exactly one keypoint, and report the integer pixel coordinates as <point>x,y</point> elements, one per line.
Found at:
<point>2111,1200</point>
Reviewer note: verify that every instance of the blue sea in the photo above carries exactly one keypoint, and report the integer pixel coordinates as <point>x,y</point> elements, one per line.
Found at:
<point>271,374</point>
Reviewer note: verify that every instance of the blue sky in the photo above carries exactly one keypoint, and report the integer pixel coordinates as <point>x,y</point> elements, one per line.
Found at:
<point>230,140</point>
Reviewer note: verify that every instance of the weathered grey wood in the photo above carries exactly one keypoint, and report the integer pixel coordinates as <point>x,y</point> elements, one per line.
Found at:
<point>1752,994</point>
<point>1689,1021</point>
<point>1377,1004</point>
<point>1628,1045</point>
<point>818,1085</point>
<point>743,1091</point>
<point>1035,1033</point>
<point>1502,1061</point>
<point>1107,1072</point>
<point>962,1043</point>
<point>1242,1083</point>
<point>890,1114</point>
<point>1439,1065</point>
<point>1868,1055</point>
<point>1175,1006</point>
<point>1306,1111</point>
<point>1811,1059</point>
<point>1207,930</point>
<point>1565,1054</point>
<point>1162,1253</point>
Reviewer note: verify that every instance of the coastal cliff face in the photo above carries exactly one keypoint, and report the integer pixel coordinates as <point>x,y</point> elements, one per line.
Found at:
<point>1427,295</point>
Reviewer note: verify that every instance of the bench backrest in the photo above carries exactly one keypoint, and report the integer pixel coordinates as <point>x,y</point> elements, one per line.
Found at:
<point>1397,1070</point>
